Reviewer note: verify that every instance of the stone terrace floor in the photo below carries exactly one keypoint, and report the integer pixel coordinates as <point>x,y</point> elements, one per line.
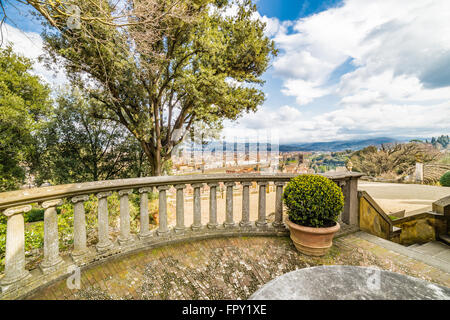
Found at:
<point>224,268</point>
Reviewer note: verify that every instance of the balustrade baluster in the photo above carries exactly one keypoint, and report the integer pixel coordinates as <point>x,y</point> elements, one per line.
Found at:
<point>245,221</point>
<point>15,247</point>
<point>278,204</point>
<point>162,209</point>
<point>180,228</point>
<point>144,231</point>
<point>212,224</point>
<point>262,205</point>
<point>104,243</point>
<point>197,224</point>
<point>79,226</point>
<point>229,222</point>
<point>125,237</point>
<point>51,239</point>
<point>341,184</point>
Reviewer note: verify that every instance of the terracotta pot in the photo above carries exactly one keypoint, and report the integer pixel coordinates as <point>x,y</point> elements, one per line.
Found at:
<point>312,241</point>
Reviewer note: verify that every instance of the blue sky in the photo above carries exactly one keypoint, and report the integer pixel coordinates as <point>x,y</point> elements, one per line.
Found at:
<point>347,69</point>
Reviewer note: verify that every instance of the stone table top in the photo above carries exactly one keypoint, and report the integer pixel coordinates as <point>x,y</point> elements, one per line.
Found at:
<point>349,283</point>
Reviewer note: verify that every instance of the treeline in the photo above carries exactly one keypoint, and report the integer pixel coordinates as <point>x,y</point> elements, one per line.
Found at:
<point>57,140</point>
<point>392,161</point>
<point>440,142</point>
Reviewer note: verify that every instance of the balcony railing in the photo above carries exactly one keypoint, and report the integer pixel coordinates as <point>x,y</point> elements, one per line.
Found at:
<point>18,281</point>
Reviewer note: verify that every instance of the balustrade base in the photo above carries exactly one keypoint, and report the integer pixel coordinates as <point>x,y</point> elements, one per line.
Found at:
<point>196,227</point>
<point>229,225</point>
<point>145,236</point>
<point>278,225</point>
<point>7,283</point>
<point>78,256</point>
<point>103,247</point>
<point>163,233</point>
<point>125,242</point>
<point>50,266</point>
<point>245,224</point>
<point>260,224</point>
<point>212,225</point>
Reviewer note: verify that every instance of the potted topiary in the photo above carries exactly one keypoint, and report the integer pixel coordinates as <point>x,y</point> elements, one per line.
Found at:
<point>313,204</point>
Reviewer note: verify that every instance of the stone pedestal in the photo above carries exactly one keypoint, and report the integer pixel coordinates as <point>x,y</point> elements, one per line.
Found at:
<point>144,232</point>
<point>15,247</point>
<point>162,229</point>
<point>197,223</point>
<point>125,237</point>
<point>52,259</point>
<point>104,243</point>
<point>79,227</point>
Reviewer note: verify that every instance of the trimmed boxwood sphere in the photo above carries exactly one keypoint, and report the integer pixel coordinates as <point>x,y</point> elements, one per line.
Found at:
<point>313,201</point>
<point>445,179</point>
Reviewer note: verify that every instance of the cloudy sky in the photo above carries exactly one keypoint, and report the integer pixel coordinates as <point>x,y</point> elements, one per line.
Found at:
<point>347,69</point>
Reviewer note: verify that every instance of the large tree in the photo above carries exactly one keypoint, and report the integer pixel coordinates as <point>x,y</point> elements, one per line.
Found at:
<point>24,103</point>
<point>196,64</point>
<point>75,147</point>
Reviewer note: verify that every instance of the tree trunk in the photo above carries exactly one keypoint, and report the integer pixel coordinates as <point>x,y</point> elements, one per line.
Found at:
<point>154,157</point>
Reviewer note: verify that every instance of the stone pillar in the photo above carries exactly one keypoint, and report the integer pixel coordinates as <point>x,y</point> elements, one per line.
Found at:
<point>212,205</point>
<point>229,221</point>
<point>144,231</point>
<point>79,226</point>
<point>245,222</point>
<point>125,237</point>
<point>162,211</point>
<point>418,174</point>
<point>262,204</point>
<point>104,244</point>
<point>351,212</point>
<point>179,227</point>
<point>278,205</point>
<point>197,224</point>
<point>51,239</point>
<point>15,247</point>
<point>341,184</point>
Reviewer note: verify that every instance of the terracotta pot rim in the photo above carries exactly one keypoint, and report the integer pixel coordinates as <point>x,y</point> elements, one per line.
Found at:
<point>321,230</point>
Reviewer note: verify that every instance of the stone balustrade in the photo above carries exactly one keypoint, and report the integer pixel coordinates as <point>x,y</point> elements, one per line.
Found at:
<point>18,281</point>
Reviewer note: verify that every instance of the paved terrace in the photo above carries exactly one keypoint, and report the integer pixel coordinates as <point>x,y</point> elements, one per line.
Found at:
<point>225,268</point>
<point>394,197</point>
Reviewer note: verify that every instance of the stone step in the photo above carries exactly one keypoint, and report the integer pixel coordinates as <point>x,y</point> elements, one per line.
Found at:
<point>413,253</point>
<point>432,248</point>
<point>415,245</point>
<point>445,238</point>
<point>444,255</point>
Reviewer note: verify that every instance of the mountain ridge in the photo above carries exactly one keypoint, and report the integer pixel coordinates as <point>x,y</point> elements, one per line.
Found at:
<point>338,145</point>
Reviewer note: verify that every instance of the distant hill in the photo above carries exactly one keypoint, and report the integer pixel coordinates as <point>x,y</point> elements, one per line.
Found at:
<point>336,145</point>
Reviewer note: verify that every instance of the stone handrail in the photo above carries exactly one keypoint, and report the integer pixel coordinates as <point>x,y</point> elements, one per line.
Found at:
<point>18,281</point>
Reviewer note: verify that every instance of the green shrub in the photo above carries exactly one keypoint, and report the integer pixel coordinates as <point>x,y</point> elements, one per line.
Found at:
<point>445,179</point>
<point>313,201</point>
<point>37,214</point>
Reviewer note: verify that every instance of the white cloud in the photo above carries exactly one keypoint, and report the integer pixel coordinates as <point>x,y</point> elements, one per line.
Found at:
<point>399,83</point>
<point>401,50</point>
<point>349,122</point>
<point>30,45</point>
<point>304,91</point>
